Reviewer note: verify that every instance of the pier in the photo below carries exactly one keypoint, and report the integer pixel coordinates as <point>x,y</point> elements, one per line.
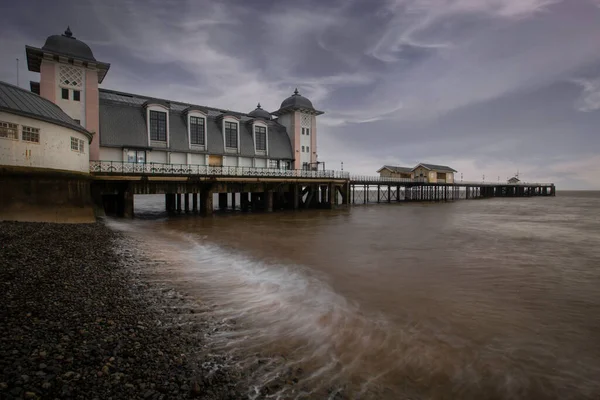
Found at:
<point>191,188</point>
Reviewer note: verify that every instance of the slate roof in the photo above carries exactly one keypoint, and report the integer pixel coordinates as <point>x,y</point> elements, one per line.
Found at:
<point>15,100</point>
<point>405,170</point>
<point>296,102</point>
<point>66,44</point>
<point>435,167</point>
<point>123,124</point>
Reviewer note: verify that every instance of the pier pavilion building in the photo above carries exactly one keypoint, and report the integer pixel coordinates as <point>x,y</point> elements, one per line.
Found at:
<point>142,129</point>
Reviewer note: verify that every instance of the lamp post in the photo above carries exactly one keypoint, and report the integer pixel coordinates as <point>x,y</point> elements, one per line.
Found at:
<point>461,176</point>
<point>342,165</point>
<point>484,178</point>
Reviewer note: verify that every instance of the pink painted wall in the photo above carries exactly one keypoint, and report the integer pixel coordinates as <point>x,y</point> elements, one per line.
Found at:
<point>296,143</point>
<point>48,80</point>
<point>92,111</point>
<point>313,139</point>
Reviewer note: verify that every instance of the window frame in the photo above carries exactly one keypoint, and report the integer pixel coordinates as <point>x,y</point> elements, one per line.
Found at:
<point>7,128</point>
<point>257,129</point>
<point>64,91</point>
<point>30,130</point>
<point>200,116</point>
<point>158,113</point>
<point>230,120</point>
<point>77,145</point>
<point>78,93</point>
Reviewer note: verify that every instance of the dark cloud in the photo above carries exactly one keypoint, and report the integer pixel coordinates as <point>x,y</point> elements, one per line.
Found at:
<point>487,86</point>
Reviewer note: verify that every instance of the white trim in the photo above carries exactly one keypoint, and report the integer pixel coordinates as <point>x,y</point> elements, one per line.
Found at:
<point>160,108</point>
<point>230,150</point>
<point>198,114</point>
<point>264,125</point>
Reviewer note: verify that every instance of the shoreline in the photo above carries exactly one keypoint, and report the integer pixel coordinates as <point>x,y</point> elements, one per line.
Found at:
<point>80,322</point>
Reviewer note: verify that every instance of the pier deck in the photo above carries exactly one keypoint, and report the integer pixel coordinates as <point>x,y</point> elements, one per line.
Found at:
<point>190,188</point>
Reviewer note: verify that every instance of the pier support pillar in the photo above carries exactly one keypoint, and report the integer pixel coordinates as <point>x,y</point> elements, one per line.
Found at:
<point>195,203</point>
<point>398,193</point>
<point>378,193</point>
<point>178,196</point>
<point>244,201</point>
<point>269,201</point>
<point>170,202</point>
<point>206,202</point>
<point>233,201</point>
<point>128,204</point>
<point>295,195</point>
<point>186,202</point>
<point>222,201</point>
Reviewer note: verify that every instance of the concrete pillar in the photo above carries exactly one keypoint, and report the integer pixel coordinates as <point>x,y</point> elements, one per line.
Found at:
<point>244,201</point>
<point>170,202</point>
<point>233,201</point>
<point>127,204</point>
<point>295,188</point>
<point>178,196</point>
<point>195,203</point>
<point>186,202</point>
<point>206,202</point>
<point>331,196</point>
<point>269,201</point>
<point>222,201</point>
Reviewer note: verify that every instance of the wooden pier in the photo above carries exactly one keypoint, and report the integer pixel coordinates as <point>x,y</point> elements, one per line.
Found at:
<point>366,190</point>
<point>190,188</point>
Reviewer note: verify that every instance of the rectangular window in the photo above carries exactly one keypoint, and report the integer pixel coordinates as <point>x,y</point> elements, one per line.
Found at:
<point>30,134</point>
<point>8,130</point>
<point>303,131</point>
<point>78,121</point>
<point>197,130</point>
<point>158,126</point>
<point>76,95</point>
<point>307,149</point>
<point>273,164</point>
<point>260,133</point>
<point>231,135</point>
<point>65,94</point>
<point>136,156</point>
<point>307,130</point>
<point>77,145</point>
<point>303,149</point>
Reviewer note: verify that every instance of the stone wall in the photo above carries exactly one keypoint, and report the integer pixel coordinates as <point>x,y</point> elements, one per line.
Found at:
<point>39,195</point>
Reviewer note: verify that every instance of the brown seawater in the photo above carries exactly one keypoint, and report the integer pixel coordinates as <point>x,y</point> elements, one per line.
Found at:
<point>477,299</point>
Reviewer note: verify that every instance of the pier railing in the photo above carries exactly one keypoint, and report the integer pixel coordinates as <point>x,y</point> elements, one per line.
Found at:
<point>130,168</point>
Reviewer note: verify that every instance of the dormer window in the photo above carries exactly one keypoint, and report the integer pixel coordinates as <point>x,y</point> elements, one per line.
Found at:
<point>197,129</point>
<point>260,137</point>
<point>158,126</point>
<point>231,135</point>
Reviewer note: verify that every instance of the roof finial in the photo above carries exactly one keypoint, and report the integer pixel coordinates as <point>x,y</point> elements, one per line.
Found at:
<point>68,32</point>
<point>296,92</point>
<point>258,106</point>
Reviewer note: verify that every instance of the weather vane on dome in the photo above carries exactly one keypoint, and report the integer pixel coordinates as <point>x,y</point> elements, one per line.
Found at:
<point>296,92</point>
<point>258,106</point>
<point>68,33</point>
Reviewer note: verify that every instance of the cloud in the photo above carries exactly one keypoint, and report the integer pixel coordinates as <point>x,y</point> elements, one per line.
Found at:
<point>590,97</point>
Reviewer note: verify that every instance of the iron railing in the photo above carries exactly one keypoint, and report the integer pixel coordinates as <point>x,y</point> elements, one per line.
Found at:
<point>367,179</point>
<point>120,167</point>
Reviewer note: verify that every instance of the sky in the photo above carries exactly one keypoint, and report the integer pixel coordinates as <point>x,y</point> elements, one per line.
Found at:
<point>488,87</point>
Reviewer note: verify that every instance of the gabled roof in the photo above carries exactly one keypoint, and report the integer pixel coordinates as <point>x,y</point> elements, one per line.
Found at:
<point>123,124</point>
<point>435,167</point>
<point>404,170</point>
<point>22,102</point>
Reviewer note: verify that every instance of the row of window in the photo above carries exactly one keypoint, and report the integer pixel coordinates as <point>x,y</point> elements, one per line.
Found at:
<point>306,131</point>
<point>305,149</point>
<point>139,156</point>
<point>11,131</point>
<point>76,94</point>
<point>158,131</point>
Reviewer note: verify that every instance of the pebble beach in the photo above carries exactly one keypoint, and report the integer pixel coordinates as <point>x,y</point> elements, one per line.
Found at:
<point>77,321</point>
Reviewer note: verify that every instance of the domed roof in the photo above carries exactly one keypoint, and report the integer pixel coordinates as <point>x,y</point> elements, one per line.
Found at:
<point>67,45</point>
<point>297,101</point>
<point>260,113</point>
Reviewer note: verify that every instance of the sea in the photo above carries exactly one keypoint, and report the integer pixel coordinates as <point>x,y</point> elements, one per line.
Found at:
<point>473,299</point>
